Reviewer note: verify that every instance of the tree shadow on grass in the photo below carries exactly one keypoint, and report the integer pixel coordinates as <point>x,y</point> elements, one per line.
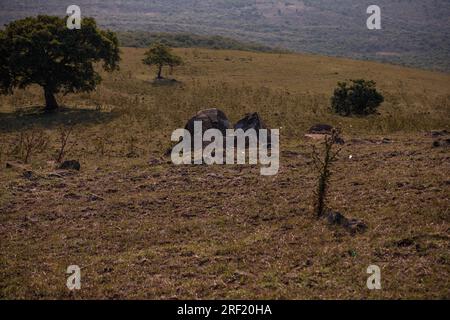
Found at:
<point>36,117</point>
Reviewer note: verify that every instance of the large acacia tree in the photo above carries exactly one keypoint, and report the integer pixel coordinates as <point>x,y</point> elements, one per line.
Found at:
<point>42,50</point>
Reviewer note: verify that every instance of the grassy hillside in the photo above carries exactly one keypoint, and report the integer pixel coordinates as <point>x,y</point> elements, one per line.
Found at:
<point>300,87</point>
<point>139,227</point>
<point>414,33</point>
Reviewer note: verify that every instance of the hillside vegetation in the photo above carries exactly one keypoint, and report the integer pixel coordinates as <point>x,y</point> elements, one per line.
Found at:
<point>414,32</point>
<point>186,40</point>
<point>295,87</point>
<point>140,227</point>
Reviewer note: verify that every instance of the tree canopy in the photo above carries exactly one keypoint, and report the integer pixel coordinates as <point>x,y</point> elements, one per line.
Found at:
<point>160,55</point>
<point>42,50</point>
<point>360,97</point>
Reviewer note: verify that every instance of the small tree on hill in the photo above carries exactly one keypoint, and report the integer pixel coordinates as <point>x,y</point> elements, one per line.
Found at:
<point>360,98</point>
<point>160,55</point>
<point>42,50</point>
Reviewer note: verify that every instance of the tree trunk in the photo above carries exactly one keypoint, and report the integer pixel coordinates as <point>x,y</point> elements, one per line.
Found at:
<point>50,101</point>
<point>159,72</point>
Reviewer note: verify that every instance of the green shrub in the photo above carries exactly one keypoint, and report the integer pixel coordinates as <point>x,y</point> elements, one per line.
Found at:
<point>359,98</point>
<point>160,55</point>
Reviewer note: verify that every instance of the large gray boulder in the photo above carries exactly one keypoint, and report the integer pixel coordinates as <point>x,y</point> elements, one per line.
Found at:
<point>251,121</point>
<point>211,119</point>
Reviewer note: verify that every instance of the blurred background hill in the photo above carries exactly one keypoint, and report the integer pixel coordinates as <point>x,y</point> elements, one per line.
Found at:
<point>414,33</point>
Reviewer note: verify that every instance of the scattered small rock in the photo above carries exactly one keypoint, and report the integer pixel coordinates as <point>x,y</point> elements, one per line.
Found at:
<point>156,161</point>
<point>94,197</point>
<point>354,226</point>
<point>28,174</point>
<point>132,154</point>
<point>72,195</point>
<point>441,143</point>
<point>188,215</point>
<point>321,129</point>
<point>439,133</point>
<point>16,166</point>
<point>54,175</point>
<point>316,136</point>
<point>407,242</point>
<point>70,165</point>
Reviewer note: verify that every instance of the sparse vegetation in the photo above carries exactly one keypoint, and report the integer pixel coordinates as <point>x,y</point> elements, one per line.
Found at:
<point>415,32</point>
<point>142,228</point>
<point>29,143</point>
<point>322,163</point>
<point>140,39</point>
<point>64,135</point>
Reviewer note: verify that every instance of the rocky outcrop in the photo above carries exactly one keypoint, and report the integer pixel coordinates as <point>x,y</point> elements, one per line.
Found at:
<point>211,119</point>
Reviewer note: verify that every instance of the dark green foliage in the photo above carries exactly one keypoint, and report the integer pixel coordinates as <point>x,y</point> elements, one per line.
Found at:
<point>358,98</point>
<point>160,55</point>
<point>414,32</point>
<point>42,50</point>
<point>140,39</point>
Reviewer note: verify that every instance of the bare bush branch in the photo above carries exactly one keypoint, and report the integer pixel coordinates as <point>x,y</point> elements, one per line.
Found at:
<point>29,143</point>
<point>323,164</point>
<point>64,135</point>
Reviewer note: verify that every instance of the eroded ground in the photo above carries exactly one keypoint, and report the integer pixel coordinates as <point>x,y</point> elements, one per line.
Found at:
<point>153,230</point>
<point>140,227</point>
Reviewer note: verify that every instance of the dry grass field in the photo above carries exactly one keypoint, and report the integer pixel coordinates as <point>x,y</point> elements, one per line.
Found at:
<point>140,227</point>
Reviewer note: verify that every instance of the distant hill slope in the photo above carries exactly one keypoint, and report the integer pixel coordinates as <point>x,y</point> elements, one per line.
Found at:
<point>142,39</point>
<point>415,32</point>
